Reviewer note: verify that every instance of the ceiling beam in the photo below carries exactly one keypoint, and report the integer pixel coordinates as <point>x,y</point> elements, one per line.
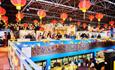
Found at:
<point>74,8</point>
<point>109,2</point>
<point>27,5</point>
<point>59,18</point>
<point>56,4</point>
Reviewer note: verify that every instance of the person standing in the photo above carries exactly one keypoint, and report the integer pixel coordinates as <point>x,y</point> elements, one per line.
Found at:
<point>5,40</point>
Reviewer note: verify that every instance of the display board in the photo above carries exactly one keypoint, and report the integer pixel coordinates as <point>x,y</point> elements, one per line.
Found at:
<point>23,33</point>
<point>38,33</point>
<point>104,34</point>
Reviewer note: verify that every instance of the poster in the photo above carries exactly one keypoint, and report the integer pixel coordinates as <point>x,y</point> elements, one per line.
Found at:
<point>23,33</point>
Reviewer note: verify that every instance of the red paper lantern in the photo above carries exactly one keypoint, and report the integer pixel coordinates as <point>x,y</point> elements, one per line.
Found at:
<point>91,17</point>
<point>41,29</point>
<point>2,11</point>
<point>35,21</point>
<point>18,3</point>
<point>19,16</point>
<point>99,16</point>
<point>53,21</point>
<point>105,25</point>
<point>111,23</point>
<point>70,19</point>
<point>84,25</point>
<point>63,16</point>
<point>78,23</point>
<point>25,25</point>
<point>41,14</point>
<point>4,19</point>
<point>84,5</point>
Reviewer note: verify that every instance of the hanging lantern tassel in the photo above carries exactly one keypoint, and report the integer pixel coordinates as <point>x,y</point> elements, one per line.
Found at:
<point>40,20</point>
<point>84,16</point>
<point>99,21</point>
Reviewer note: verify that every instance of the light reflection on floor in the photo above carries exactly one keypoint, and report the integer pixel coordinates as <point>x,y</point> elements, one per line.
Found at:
<point>4,63</point>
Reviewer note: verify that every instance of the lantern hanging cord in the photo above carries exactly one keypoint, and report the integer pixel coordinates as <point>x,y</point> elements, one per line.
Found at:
<point>84,16</point>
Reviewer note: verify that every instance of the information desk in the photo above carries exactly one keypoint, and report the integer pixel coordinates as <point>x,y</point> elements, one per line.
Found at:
<point>41,54</point>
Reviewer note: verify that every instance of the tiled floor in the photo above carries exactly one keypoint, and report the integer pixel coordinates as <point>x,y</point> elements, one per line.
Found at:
<point>4,63</point>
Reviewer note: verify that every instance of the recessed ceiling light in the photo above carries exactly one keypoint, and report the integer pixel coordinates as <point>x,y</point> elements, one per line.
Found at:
<point>27,9</point>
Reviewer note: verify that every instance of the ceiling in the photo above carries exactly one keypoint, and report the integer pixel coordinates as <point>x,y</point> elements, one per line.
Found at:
<point>55,7</point>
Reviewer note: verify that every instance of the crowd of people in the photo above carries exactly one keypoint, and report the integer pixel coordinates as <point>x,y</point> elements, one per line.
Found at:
<point>78,62</point>
<point>58,35</point>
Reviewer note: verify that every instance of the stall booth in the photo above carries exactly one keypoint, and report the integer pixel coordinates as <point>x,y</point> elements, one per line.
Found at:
<point>47,55</point>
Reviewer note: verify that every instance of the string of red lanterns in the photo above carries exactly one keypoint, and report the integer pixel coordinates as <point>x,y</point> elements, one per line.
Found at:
<point>19,4</point>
